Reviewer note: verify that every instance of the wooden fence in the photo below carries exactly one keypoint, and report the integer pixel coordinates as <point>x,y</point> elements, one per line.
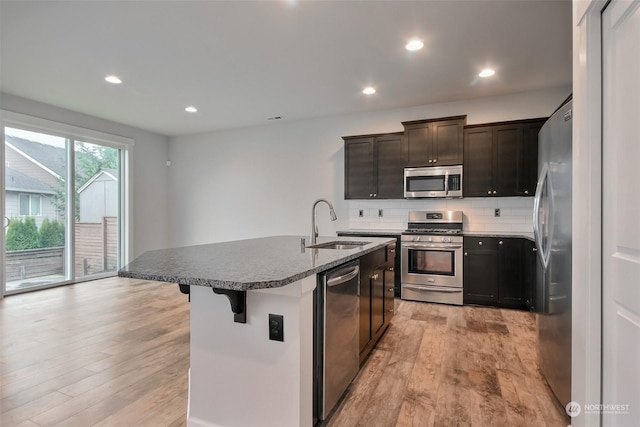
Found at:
<point>34,263</point>
<point>96,252</point>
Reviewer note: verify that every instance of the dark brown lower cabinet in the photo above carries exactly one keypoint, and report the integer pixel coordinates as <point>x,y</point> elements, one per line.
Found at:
<point>494,271</point>
<point>480,273</point>
<point>530,272</point>
<point>375,284</point>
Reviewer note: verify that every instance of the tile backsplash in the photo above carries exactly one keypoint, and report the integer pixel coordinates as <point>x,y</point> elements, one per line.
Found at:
<point>516,213</point>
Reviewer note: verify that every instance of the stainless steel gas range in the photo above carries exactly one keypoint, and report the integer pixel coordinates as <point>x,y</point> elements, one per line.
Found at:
<point>432,257</point>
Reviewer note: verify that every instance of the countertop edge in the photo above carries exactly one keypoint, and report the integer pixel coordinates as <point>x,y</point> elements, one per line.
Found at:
<point>247,286</point>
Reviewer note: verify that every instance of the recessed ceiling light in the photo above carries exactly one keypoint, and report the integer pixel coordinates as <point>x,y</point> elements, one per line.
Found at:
<point>414,44</point>
<point>113,79</point>
<point>369,90</point>
<point>191,109</point>
<point>487,72</point>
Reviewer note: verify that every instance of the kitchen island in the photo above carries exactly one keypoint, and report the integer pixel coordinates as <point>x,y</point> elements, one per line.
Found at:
<point>238,376</point>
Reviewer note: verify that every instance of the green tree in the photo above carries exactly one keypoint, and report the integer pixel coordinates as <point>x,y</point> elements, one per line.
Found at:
<point>51,234</point>
<point>22,235</point>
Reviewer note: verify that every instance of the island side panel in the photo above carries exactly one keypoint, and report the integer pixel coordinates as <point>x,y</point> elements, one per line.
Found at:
<point>238,376</point>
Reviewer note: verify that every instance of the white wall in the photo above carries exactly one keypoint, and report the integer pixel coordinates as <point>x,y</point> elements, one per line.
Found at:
<point>150,174</point>
<point>263,180</point>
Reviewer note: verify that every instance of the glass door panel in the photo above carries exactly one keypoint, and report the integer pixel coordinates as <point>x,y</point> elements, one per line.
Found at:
<point>97,219</point>
<point>35,172</point>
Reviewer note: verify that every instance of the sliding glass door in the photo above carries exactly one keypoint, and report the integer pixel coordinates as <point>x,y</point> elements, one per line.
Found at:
<point>97,180</point>
<point>62,207</point>
<point>36,170</point>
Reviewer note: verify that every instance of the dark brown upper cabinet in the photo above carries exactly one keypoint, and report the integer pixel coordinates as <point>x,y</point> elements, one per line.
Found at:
<point>435,142</point>
<point>501,159</point>
<point>374,166</point>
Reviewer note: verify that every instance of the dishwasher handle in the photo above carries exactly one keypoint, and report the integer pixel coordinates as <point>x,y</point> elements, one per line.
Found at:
<point>338,280</point>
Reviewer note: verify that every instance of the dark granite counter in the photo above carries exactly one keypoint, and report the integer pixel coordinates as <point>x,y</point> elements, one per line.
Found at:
<point>521,235</point>
<point>242,265</point>
<point>369,232</point>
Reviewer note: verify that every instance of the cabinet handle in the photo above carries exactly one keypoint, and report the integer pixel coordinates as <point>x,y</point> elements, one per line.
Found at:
<point>480,243</point>
<point>370,194</point>
<point>466,254</point>
<point>390,268</point>
<point>435,160</point>
<point>375,194</point>
<point>489,192</point>
<point>392,250</point>
<point>500,242</point>
<point>430,161</point>
<point>526,191</point>
<point>535,249</point>
<point>391,311</point>
<point>390,290</point>
<point>494,191</point>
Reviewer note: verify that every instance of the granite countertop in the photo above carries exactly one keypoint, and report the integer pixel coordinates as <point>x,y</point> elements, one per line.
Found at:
<point>394,232</point>
<point>505,234</point>
<point>369,231</point>
<point>242,265</point>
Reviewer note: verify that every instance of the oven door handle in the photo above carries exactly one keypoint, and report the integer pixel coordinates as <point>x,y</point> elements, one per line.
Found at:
<point>432,289</point>
<point>429,246</point>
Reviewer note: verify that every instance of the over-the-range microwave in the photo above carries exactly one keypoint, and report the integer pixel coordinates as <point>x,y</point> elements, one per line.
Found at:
<point>433,181</point>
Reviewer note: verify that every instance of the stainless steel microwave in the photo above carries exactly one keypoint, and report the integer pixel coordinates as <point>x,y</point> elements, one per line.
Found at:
<point>431,181</point>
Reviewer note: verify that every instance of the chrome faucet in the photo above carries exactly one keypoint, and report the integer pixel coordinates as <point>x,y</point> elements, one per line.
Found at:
<point>314,227</point>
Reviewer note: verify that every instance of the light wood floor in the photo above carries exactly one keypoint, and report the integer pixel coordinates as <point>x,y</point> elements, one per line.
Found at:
<point>115,352</point>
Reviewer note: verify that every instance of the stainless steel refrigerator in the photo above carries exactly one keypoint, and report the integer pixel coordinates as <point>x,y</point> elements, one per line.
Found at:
<point>552,230</point>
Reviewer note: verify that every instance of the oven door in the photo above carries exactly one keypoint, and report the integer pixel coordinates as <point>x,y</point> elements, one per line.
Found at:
<point>433,264</point>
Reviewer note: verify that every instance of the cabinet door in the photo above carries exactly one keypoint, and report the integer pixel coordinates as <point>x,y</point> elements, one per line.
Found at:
<point>389,293</point>
<point>510,278</point>
<point>529,274</point>
<point>377,300</point>
<point>507,142</point>
<point>478,162</point>
<point>390,160</point>
<point>358,163</point>
<point>480,271</point>
<point>418,141</point>
<point>366,270</point>
<point>446,146</point>
<point>529,158</point>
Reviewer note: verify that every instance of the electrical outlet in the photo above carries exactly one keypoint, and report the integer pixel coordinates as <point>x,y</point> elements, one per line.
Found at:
<point>360,213</point>
<point>380,213</point>
<point>276,327</point>
<point>497,212</point>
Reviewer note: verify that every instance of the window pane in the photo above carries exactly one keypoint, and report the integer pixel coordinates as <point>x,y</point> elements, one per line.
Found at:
<point>24,204</point>
<point>35,205</point>
<point>35,174</point>
<point>97,209</point>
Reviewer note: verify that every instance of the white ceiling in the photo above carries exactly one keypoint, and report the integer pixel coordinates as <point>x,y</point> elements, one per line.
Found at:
<point>241,62</point>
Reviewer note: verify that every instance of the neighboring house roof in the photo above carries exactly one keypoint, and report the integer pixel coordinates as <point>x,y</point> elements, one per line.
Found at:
<point>19,182</point>
<point>52,158</point>
<point>111,173</point>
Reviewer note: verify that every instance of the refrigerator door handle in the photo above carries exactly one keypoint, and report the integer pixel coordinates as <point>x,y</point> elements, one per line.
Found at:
<point>543,250</point>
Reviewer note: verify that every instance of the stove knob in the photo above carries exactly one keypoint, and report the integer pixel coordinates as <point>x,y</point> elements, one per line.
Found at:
<point>444,240</point>
<point>431,239</point>
<point>450,239</point>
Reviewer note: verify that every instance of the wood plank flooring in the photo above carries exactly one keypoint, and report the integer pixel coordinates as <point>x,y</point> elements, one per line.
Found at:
<point>441,365</point>
<point>115,352</point>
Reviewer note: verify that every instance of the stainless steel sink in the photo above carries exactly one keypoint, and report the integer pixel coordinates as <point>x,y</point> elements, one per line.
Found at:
<point>338,245</point>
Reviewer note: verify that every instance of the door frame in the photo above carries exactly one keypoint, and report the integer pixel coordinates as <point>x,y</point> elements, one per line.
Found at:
<point>586,340</point>
<point>124,144</point>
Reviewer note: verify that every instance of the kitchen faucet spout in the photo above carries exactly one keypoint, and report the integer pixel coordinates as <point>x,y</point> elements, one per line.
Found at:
<point>314,213</point>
